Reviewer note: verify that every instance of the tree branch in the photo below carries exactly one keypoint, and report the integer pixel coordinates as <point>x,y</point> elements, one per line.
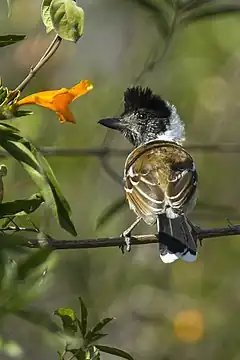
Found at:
<point>47,241</point>
<point>101,152</point>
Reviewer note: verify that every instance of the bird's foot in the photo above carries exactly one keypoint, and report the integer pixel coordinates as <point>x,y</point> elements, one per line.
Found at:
<point>127,239</point>
<point>127,236</point>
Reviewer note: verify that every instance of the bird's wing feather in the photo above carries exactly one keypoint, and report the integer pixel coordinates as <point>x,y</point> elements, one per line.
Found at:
<point>158,174</point>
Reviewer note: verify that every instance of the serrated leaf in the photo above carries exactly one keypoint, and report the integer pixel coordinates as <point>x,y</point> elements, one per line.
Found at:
<point>68,319</point>
<point>39,318</point>
<point>114,351</point>
<point>45,13</point>
<point>6,40</point>
<point>67,19</point>
<point>33,261</point>
<point>209,12</point>
<point>41,173</point>
<point>110,211</point>
<point>21,207</point>
<point>84,315</point>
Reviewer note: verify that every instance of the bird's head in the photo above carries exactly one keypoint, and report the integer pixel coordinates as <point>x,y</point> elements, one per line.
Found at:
<point>146,117</point>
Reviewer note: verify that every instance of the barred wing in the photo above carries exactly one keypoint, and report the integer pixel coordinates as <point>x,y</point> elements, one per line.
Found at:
<point>159,175</point>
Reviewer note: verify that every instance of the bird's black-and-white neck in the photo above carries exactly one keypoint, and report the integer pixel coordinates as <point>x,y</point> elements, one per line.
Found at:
<point>175,129</point>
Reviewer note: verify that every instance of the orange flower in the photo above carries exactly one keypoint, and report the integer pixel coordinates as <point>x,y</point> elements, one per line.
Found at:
<point>58,100</point>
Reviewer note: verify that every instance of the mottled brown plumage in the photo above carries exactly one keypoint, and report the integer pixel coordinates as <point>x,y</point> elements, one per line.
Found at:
<point>159,175</point>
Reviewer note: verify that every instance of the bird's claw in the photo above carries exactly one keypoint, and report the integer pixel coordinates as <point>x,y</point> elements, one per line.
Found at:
<point>127,240</point>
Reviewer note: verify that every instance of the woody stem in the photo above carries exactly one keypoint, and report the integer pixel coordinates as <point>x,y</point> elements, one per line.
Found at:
<point>52,48</point>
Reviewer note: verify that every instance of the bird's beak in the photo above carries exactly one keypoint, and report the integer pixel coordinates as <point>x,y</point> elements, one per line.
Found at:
<point>112,123</point>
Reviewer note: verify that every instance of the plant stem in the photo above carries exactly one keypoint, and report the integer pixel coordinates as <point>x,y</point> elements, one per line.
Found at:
<point>52,48</point>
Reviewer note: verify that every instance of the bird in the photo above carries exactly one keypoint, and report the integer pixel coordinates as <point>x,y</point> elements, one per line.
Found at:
<point>160,178</point>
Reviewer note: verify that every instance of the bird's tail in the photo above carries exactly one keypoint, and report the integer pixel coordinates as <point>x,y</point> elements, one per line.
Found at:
<point>180,244</point>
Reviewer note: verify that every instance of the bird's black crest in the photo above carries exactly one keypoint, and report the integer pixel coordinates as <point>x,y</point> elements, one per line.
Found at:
<point>143,98</point>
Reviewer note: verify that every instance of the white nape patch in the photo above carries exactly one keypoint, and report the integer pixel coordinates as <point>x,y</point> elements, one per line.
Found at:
<point>170,257</point>
<point>176,130</point>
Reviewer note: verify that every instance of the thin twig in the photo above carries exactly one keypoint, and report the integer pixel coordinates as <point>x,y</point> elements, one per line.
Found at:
<point>52,48</point>
<point>101,152</point>
<point>117,241</point>
<point>151,64</point>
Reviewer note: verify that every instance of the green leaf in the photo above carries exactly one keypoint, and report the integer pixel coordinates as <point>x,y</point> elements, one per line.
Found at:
<point>33,261</point>
<point>94,337</point>
<point>21,207</point>
<point>41,173</point>
<point>45,13</point>
<point>192,4</point>
<point>20,113</point>
<point>63,211</point>
<point>101,324</point>
<point>110,211</point>
<point>208,12</point>
<point>68,319</point>
<point>67,19</point>
<point>39,318</point>
<point>3,94</point>
<point>6,40</point>
<point>84,315</point>
<point>114,351</point>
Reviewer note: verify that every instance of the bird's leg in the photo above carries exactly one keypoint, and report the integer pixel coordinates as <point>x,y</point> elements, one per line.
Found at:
<point>127,235</point>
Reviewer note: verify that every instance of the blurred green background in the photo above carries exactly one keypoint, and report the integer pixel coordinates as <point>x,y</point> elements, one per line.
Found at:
<point>162,311</point>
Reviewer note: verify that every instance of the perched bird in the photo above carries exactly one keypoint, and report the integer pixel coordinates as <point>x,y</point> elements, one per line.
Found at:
<point>160,178</point>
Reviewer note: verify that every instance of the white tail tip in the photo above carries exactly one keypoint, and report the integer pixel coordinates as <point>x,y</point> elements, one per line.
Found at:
<point>169,257</point>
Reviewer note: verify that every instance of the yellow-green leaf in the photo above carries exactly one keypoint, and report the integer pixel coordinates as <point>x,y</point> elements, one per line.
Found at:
<point>45,13</point>
<point>67,19</point>
<point>68,319</point>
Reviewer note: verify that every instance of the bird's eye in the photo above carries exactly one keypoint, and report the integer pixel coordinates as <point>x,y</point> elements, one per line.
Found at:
<point>141,115</point>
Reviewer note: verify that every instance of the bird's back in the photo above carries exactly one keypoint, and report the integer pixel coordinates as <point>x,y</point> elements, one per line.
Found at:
<point>158,175</point>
